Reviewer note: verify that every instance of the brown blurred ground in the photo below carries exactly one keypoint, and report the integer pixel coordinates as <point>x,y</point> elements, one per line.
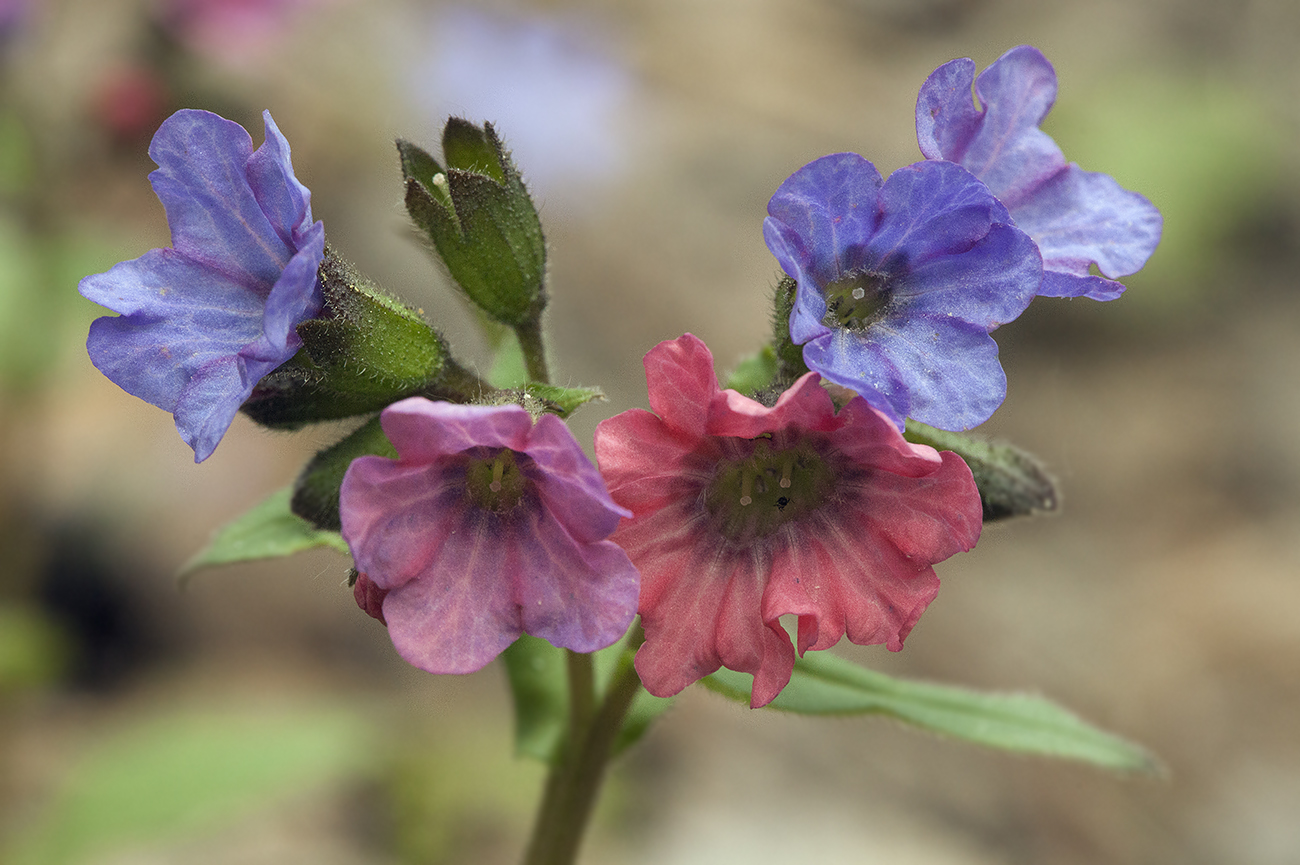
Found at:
<point>1163,602</point>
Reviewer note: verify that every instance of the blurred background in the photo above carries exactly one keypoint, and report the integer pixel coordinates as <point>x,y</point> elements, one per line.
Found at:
<point>256,716</point>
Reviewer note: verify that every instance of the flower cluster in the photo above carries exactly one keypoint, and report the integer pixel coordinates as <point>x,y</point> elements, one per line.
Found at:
<point>900,283</point>
<point>723,513</point>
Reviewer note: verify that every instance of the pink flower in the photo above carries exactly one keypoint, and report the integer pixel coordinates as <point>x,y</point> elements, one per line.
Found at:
<point>487,526</point>
<point>742,514</point>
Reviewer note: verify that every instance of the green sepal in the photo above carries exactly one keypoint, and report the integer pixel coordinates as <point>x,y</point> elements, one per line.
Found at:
<point>268,531</point>
<point>824,684</point>
<point>789,356</point>
<point>538,677</point>
<point>480,219</point>
<point>316,491</point>
<point>1011,482</point>
<point>562,401</point>
<point>755,372</point>
<point>365,351</point>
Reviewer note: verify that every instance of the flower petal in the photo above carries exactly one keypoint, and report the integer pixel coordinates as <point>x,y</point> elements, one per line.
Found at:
<point>571,488</point>
<point>578,596</point>
<point>396,516</point>
<point>931,209</point>
<point>831,206</point>
<point>860,363</point>
<point>214,216</point>
<point>988,285</point>
<point>1076,217</point>
<point>279,194</point>
<point>948,370</point>
<point>1079,218</point>
<point>177,316</point>
<point>424,431</point>
<point>460,613</point>
<point>681,382</point>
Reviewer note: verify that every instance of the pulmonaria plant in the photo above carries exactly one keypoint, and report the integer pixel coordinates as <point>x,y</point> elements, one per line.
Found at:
<point>900,282</point>
<point>201,322</point>
<point>723,513</point>
<point>742,514</point>
<point>487,526</point>
<point>1077,218</point>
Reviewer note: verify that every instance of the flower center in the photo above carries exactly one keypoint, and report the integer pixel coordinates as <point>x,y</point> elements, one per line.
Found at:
<point>494,482</point>
<point>856,300</point>
<point>751,497</point>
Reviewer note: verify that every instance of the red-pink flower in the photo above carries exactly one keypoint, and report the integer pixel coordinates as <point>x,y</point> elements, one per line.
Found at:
<point>743,514</point>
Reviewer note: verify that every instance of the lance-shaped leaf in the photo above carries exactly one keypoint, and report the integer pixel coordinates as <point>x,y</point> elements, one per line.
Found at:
<point>1011,482</point>
<point>480,219</point>
<point>823,684</point>
<point>268,531</point>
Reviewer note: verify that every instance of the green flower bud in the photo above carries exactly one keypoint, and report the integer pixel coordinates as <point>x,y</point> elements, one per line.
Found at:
<point>480,220</point>
<point>1012,483</point>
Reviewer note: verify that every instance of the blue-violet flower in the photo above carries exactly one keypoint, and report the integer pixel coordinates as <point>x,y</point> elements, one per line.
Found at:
<point>485,527</point>
<point>1077,217</point>
<point>900,283</point>
<point>202,321</point>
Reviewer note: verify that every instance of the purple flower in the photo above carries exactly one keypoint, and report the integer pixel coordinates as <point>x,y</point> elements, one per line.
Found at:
<point>202,321</point>
<point>487,526</point>
<point>1076,217</point>
<point>900,283</point>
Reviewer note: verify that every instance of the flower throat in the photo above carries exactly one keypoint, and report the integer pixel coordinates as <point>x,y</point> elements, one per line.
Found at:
<point>752,497</point>
<point>856,299</point>
<point>494,482</point>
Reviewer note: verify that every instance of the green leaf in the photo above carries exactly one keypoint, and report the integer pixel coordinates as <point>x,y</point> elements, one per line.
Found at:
<point>538,682</point>
<point>1011,481</point>
<point>755,372</point>
<point>184,772</point>
<point>824,684</point>
<point>268,531</point>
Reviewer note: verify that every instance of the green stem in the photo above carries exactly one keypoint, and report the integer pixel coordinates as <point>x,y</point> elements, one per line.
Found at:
<point>457,384</point>
<point>582,694</point>
<point>574,782</point>
<point>534,349</point>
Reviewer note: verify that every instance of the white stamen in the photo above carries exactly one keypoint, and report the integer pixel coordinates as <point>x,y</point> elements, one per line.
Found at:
<point>858,293</point>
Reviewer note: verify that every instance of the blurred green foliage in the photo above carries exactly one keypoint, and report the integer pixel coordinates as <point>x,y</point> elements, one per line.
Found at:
<point>32,650</point>
<point>183,772</point>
